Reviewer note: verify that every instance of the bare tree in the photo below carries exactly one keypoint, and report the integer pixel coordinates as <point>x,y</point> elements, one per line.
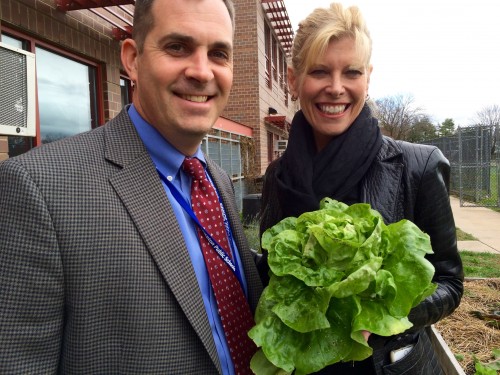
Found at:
<point>490,116</point>
<point>397,114</point>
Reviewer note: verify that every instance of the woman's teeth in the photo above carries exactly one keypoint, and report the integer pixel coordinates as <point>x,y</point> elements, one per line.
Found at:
<point>332,109</point>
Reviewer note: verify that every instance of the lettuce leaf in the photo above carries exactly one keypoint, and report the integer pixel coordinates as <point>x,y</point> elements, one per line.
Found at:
<point>336,272</point>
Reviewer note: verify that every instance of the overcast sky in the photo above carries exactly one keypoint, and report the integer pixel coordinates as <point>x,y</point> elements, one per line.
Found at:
<point>446,53</point>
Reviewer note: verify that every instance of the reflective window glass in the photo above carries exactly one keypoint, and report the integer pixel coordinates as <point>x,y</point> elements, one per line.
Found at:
<point>13,42</point>
<point>66,96</point>
<point>125,90</point>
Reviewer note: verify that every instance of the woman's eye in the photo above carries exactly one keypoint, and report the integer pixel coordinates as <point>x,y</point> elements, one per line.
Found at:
<point>318,72</point>
<point>354,73</point>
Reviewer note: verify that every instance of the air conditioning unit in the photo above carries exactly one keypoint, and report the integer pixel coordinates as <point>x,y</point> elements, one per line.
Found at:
<point>280,145</point>
<point>17,92</point>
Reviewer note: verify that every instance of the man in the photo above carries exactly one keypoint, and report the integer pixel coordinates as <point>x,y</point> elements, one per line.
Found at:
<point>100,264</point>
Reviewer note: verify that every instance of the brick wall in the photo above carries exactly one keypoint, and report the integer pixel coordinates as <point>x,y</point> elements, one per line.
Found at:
<point>243,106</point>
<point>250,96</point>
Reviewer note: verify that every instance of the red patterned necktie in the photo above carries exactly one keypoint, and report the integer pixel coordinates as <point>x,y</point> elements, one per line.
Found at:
<point>233,307</point>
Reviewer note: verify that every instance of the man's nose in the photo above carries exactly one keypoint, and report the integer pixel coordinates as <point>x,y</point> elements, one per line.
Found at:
<point>199,67</point>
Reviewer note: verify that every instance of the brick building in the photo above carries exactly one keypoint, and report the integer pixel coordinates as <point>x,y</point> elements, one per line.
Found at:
<point>260,96</point>
<point>80,83</point>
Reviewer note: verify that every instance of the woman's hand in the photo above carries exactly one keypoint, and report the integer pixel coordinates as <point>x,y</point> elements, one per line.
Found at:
<point>366,335</point>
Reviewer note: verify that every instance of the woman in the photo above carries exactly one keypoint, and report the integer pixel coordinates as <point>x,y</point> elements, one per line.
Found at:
<point>336,149</point>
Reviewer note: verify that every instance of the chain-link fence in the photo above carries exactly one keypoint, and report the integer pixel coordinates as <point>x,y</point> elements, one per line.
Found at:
<point>474,156</point>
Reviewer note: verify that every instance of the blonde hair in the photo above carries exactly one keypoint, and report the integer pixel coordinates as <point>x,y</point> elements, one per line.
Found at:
<point>326,24</point>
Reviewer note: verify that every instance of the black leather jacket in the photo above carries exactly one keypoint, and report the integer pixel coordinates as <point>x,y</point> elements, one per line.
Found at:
<point>406,181</point>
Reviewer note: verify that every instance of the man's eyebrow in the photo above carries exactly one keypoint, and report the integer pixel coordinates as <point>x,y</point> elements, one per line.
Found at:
<point>183,38</point>
<point>178,37</point>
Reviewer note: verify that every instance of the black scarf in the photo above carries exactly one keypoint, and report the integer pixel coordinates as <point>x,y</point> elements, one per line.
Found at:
<point>306,176</point>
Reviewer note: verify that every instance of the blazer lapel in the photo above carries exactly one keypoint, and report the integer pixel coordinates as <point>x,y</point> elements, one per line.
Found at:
<point>138,186</point>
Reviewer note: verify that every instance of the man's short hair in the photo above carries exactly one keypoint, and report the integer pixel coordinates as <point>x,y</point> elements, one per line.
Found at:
<point>144,20</point>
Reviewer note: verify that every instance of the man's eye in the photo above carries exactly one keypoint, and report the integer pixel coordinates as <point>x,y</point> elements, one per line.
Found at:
<point>175,48</point>
<point>220,55</point>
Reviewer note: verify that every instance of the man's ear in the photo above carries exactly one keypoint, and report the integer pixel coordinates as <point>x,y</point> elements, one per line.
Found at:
<point>129,54</point>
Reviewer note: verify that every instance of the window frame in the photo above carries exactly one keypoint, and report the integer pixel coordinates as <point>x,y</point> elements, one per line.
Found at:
<point>128,88</point>
<point>31,44</point>
<point>267,46</point>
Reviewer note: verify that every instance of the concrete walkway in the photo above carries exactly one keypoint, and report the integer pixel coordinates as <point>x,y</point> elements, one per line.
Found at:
<point>483,223</point>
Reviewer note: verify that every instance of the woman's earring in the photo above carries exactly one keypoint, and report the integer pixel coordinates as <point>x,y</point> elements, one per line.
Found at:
<point>367,97</point>
<point>294,98</point>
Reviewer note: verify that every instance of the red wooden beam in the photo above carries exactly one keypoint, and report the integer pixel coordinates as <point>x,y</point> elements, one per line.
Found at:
<point>66,5</point>
<point>277,18</point>
<point>123,19</point>
<point>275,9</point>
<point>122,33</point>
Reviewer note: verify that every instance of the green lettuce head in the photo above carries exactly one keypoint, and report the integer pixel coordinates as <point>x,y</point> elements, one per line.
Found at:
<point>336,272</point>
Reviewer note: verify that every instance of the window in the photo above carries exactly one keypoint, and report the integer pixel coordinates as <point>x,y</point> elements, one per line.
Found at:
<point>225,149</point>
<point>281,69</point>
<point>14,42</point>
<point>67,92</point>
<point>267,41</point>
<point>126,91</point>
<point>66,96</point>
<point>270,145</point>
<point>275,59</point>
<point>17,145</point>
<point>285,79</point>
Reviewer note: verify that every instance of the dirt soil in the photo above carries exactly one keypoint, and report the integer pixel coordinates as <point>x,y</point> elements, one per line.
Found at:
<point>474,328</point>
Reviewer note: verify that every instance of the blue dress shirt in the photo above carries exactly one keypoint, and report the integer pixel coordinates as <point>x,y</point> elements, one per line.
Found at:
<point>168,161</point>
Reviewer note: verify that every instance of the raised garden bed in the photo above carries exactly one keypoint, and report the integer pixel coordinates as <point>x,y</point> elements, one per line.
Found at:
<point>472,330</point>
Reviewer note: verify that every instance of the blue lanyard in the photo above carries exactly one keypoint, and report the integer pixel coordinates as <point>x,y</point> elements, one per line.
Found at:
<point>219,249</point>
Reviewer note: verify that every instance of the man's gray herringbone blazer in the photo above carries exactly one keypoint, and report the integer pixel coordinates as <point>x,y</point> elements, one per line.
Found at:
<point>95,277</point>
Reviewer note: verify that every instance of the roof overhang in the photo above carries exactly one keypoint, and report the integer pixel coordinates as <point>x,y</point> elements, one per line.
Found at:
<point>278,121</point>
<point>119,13</point>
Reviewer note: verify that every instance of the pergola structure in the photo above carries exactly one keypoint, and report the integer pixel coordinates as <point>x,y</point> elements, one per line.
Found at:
<point>278,17</point>
<point>119,13</point>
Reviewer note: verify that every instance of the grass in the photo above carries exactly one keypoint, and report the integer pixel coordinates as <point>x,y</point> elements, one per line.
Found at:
<point>477,264</point>
<point>252,234</point>
<point>462,236</point>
